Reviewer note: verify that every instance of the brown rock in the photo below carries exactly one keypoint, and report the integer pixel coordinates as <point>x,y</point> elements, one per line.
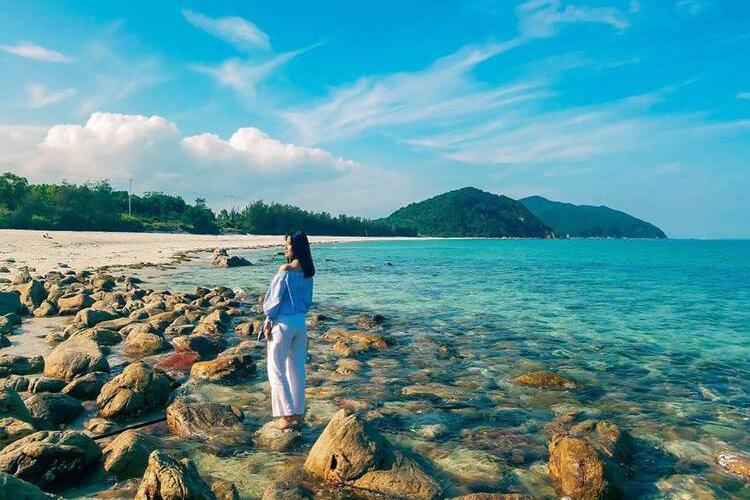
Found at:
<point>547,380</point>
<point>736,463</point>
<point>285,490</point>
<point>33,293</point>
<point>201,419</point>
<point>15,364</point>
<point>76,356</point>
<point>166,478</point>
<point>72,304</point>
<point>224,490</point>
<point>91,317</point>
<point>206,346</point>
<point>11,405</point>
<point>12,488</point>
<point>144,344</point>
<point>590,461</point>
<point>127,455</point>
<point>225,369</point>
<point>86,387</point>
<point>137,389</point>
<point>45,309</point>
<point>273,437</point>
<point>51,409</point>
<point>49,457</point>
<point>349,452</point>
<point>13,429</point>
<point>248,328</point>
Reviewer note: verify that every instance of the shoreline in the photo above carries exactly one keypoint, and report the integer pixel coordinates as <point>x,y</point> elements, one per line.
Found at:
<point>44,251</point>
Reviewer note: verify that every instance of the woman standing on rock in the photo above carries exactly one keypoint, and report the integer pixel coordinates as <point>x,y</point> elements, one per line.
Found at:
<point>287,301</point>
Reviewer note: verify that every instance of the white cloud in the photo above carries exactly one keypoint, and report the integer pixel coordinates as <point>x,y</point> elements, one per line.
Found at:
<point>540,18</point>
<point>154,152</point>
<point>39,96</point>
<point>257,150</point>
<point>235,30</point>
<point>443,92</point>
<point>33,51</point>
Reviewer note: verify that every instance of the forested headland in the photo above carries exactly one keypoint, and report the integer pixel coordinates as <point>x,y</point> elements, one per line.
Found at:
<point>98,207</point>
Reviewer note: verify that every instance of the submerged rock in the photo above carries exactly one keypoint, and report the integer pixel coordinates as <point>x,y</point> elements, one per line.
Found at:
<point>591,460</point>
<point>186,419</point>
<point>347,343</point>
<point>224,490</point>
<point>166,478</point>
<point>46,458</point>
<point>285,490</point>
<point>137,389</point>
<point>547,380</point>
<point>494,496</point>
<point>350,452</point>
<point>74,357</point>
<point>736,463</point>
<point>273,437</point>
<point>127,455</point>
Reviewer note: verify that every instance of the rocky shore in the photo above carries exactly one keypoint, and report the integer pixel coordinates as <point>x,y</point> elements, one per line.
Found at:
<point>136,381</point>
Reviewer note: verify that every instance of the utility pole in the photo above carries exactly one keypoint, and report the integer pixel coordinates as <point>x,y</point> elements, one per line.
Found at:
<point>130,193</point>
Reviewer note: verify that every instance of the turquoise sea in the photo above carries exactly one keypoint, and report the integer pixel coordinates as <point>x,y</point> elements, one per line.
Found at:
<point>658,333</point>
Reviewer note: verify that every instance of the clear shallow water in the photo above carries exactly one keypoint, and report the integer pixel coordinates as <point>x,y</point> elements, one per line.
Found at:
<point>657,331</point>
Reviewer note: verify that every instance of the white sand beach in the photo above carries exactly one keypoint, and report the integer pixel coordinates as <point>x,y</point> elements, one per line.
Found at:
<point>45,250</point>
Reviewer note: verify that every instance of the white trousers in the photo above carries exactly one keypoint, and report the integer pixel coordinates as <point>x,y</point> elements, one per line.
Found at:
<point>287,352</point>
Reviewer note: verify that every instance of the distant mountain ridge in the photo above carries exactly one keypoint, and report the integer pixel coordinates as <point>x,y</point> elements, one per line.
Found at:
<point>470,212</point>
<point>587,221</point>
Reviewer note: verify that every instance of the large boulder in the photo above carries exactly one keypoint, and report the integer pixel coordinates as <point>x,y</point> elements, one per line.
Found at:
<point>74,357</point>
<point>547,380</point>
<point>74,303</point>
<point>350,452</point>
<point>203,419</point>
<point>166,478</point>
<point>10,302</point>
<point>12,488</point>
<point>46,458</point>
<point>15,364</point>
<point>229,368</point>
<point>591,460</point>
<point>51,410</point>
<point>86,387</point>
<point>127,455</point>
<point>233,261</point>
<point>137,389</point>
<point>33,293</point>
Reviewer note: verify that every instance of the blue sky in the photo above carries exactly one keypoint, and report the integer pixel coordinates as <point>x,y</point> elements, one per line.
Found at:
<point>360,107</point>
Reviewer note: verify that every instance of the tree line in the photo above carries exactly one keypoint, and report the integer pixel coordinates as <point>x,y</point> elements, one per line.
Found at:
<point>98,207</point>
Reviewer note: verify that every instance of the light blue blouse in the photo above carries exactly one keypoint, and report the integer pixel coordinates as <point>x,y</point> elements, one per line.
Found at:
<point>290,292</point>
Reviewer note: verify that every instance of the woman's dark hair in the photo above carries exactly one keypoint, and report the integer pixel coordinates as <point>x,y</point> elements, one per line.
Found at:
<point>301,252</point>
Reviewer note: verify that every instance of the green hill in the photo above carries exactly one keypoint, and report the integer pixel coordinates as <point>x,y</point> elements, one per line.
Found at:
<point>586,221</point>
<point>469,212</point>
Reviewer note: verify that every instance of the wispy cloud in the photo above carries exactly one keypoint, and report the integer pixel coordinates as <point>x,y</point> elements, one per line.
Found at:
<point>244,76</point>
<point>113,77</point>
<point>540,18</point>
<point>39,96</point>
<point>33,51</point>
<point>743,95</point>
<point>689,7</point>
<point>237,31</point>
<point>443,92</point>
